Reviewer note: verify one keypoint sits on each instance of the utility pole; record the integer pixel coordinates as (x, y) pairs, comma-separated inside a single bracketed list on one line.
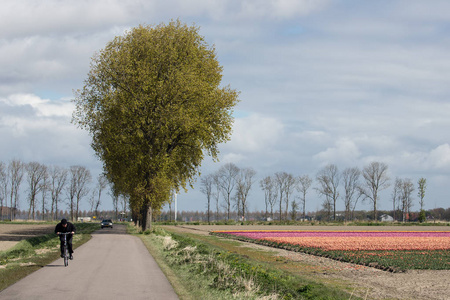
[(175, 197)]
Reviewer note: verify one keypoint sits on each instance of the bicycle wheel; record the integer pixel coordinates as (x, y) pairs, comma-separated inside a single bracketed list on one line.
[(66, 257)]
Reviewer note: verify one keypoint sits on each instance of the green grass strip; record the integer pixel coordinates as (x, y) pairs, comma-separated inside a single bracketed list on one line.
[(223, 271)]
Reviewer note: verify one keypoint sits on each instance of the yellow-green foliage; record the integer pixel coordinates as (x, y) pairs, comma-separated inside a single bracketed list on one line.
[(153, 104)]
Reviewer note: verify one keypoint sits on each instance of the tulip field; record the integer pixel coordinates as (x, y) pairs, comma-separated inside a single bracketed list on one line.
[(390, 250)]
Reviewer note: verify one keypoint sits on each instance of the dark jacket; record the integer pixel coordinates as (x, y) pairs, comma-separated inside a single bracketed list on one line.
[(69, 228)]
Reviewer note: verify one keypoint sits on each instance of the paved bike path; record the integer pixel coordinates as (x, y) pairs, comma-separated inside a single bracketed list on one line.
[(112, 265)]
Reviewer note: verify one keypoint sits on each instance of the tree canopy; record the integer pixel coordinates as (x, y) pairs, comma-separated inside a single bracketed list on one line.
[(154, 107)]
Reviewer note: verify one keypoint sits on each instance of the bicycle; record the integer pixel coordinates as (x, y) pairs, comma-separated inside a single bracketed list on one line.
[(65, 251)]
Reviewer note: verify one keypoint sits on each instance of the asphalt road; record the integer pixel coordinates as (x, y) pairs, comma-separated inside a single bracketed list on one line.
[(112, 265)]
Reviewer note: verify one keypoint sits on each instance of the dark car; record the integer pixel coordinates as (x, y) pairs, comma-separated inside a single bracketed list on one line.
[(107, 223)]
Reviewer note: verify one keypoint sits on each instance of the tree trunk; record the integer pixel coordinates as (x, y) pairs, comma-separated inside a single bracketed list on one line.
[(281, 203), (334, 208), (287, 208), (147, 218), (375, 211)]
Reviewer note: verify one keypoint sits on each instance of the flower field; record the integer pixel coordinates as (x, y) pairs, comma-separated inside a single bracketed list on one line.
[(399, 250)]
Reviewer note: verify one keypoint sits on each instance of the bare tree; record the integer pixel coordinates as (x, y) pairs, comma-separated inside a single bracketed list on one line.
[(327, 205), (72, 190), (328, 179), (92, 199), (15, 172), (396, 196), (294, 208), (217, 193), (83, 177), (206, 188), (406, 191), (123, 201), (280, 179), (58, 180), (115, 196), (102, 182), (244, 183), (304, 183), (350, 177), (270, 193), (35, 176), (422, 183), (44, 189), (227, 181), (289, 186), (80, 177), (375, 180), (3, 187), (119, 200)]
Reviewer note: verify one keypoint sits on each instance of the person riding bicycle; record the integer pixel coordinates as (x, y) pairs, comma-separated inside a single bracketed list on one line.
[(64, 227)]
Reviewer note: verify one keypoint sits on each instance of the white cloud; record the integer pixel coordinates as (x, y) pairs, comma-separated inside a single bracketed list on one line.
[(439, 157), (35, 129), (62, 16), (43, 107), (255, 133), (235, 158), (279, 8), (345, 152), (423, 11), (431, 162)]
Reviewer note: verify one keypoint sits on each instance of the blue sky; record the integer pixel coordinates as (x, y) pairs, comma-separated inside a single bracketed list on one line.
[(342, 82)]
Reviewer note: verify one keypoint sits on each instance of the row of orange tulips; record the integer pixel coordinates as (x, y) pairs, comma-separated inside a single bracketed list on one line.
[(355, 240)]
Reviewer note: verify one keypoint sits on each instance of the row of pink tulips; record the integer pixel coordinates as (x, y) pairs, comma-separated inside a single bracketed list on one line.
[(265, 234)]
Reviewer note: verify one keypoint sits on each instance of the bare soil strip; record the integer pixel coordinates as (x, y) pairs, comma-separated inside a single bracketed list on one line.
[(11, 234)]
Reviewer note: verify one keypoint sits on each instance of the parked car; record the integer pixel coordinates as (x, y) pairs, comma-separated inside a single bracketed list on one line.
[(107, 223)]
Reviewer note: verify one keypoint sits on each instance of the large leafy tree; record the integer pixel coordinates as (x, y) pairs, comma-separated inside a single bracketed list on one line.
[(153, 105)]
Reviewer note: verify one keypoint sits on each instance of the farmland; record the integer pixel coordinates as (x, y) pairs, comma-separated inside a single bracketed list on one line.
[(404, 283), (388, 250), (11, 234)]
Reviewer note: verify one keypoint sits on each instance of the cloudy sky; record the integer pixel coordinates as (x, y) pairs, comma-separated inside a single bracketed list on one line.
[(323, 81)]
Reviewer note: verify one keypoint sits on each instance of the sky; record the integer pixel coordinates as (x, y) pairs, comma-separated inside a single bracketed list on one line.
[(321, 82)]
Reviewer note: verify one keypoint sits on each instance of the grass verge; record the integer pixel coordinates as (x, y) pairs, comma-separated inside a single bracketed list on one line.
[(203, 267), (34, 253)]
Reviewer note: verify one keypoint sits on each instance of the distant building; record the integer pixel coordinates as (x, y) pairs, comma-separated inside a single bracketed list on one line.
[(386, 218), (5, 213)]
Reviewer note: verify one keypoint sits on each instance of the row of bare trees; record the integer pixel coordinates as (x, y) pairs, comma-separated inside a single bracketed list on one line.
[(433, 215), (48, 187), (402, 197), (374, 180), (350, 185), (234, 184)]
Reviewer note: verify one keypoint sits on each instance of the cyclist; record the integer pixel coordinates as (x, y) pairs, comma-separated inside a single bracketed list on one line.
[(64, 227)]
